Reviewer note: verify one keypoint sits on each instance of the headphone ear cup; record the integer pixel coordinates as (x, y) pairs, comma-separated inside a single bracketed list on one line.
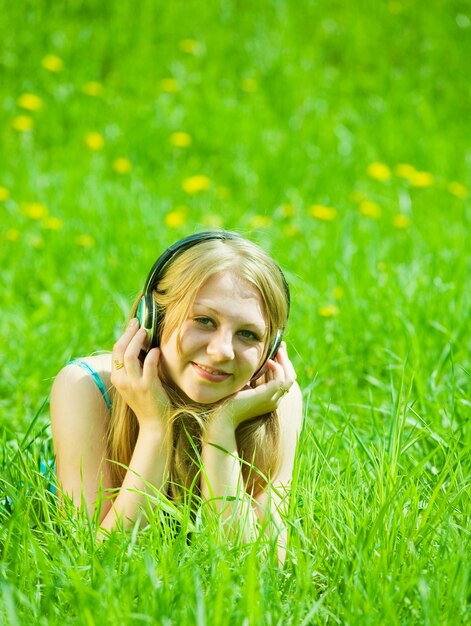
[(275, 346), (272, 350), (147, 316)]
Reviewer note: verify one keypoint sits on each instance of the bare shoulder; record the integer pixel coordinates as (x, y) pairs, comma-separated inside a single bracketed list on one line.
[(75, 392)]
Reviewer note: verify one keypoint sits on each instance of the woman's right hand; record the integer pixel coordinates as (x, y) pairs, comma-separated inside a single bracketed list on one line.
[(139, 383)]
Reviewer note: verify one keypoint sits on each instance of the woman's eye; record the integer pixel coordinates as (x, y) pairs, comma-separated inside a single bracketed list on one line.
[(248, 334), (206, 322)]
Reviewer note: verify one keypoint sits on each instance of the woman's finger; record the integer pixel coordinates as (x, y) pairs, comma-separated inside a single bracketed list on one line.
[(132, 363), (121, 345)]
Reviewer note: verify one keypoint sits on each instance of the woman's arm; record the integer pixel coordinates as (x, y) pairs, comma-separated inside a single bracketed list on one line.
[(79, 423), (222, 481)]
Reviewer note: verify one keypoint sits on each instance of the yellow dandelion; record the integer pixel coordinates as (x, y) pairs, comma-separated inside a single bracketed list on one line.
[(329, 310), (194, 184), (379, 171), (22, 123), (422, 179), (370, 209), (176, 218), (401, 221), (321, 212), (405, 170), (52, 63), (180, 139), (86, 241), (382, 267), (190, 46), (249, 85), (122, 165), (30, 102), (35, 210), (458, 190), (287, 210), (12, 234), (261, 221), (213, 220), (92, 88), (94, 141), (338, 293), (170, 85), (4, 194), (290, 230), (53, 223)]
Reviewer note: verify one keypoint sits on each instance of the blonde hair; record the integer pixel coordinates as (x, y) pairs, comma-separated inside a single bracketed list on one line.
[(257, 439)]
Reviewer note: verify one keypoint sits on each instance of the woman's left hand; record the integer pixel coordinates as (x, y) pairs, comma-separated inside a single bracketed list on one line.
[(264, 397)]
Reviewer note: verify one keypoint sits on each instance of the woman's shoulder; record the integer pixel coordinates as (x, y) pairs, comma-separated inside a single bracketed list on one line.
[(84, 377)]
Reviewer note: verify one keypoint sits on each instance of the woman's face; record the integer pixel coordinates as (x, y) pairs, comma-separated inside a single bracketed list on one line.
[(221, 341)]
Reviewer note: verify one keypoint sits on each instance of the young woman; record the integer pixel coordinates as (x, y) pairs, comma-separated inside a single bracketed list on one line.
[(198, 395)]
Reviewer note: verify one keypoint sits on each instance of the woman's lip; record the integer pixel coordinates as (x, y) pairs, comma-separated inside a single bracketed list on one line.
[(214, 378)]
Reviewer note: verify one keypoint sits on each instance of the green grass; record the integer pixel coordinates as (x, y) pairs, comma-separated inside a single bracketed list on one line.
[(287, 104)]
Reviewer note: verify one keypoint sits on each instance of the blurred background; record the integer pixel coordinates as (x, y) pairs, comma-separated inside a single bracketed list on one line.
[(334, 134)]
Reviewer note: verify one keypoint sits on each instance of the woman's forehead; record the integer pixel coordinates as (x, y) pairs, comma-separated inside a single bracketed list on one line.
[(228, 291)]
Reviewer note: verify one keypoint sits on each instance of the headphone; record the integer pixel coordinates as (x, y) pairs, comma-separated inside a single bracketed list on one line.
[(148, 313)]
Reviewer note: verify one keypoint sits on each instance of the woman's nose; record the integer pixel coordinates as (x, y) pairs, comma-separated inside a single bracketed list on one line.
[(220, 346)]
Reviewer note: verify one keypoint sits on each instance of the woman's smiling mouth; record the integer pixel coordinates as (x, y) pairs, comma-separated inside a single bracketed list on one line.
[(209, 373)]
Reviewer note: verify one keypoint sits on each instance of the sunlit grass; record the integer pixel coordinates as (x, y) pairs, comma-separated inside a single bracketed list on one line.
[(339, 144)]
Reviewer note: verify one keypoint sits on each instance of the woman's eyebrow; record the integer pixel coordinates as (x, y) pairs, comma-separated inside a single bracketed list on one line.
[(246, 323)]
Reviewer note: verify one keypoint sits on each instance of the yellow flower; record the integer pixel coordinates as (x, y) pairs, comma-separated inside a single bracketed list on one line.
[(290, 230), (401, 221), (382, 267), (122, 165), (458, 190), (4, 193), (52, 63), (370, 209), (194, 184), (395, 7), (35, 210), (92, 88), (53, 223), (379, 171), (249, 85), (190, 46), (170, 85), (12, 234), (180, 139), (321, 212), (422, 179), (94, 141), (22, 123), (176, 218), (338, 293), (405, 170), (261, 221), (86, 241), (213, 220), (329, 310), (30, 102), (287, 210)]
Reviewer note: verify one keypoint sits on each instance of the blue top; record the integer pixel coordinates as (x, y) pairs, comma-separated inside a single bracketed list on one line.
[(96, 379)]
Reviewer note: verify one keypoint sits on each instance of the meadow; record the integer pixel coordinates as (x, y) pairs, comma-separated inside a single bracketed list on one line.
[(334, 134)]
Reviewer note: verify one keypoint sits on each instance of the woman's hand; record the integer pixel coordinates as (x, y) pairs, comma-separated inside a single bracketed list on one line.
[(139, 384), (261, 399)]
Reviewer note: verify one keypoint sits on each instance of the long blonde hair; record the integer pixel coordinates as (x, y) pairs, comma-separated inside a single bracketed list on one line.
[(257, 439)]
